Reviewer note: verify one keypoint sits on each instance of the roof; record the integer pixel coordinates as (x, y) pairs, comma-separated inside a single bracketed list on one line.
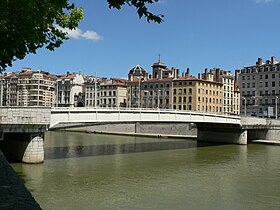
[(195, 79)]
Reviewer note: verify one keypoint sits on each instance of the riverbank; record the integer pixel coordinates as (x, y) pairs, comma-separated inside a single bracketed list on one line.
[(261, 141), (143, 134), (13, 193)]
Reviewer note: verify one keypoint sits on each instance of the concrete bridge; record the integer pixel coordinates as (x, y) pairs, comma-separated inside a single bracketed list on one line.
[(22, 128), (208, 127), (22, 131)]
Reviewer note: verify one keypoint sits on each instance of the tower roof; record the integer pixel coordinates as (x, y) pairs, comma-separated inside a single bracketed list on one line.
[(137, 70)]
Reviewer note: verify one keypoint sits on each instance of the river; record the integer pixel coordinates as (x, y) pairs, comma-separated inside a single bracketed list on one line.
[(93, 171)]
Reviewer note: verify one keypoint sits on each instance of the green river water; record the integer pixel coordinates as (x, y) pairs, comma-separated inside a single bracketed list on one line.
[(91, 171)]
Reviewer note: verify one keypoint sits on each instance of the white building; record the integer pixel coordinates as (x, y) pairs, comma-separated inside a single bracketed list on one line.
[(69, 86)]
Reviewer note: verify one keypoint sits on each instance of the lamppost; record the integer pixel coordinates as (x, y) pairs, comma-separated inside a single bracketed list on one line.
[(245, 106), (139, 93), (276, 101), (1, 93), (95, 90)]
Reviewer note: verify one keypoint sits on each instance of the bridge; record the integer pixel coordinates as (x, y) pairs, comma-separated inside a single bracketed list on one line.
[(22, 131), (209, 126), (22, 128)]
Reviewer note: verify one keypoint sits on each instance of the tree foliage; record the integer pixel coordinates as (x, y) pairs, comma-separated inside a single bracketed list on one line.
[(27, 25)]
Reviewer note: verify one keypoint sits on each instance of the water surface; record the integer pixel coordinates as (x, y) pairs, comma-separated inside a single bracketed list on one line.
[(90, 171)]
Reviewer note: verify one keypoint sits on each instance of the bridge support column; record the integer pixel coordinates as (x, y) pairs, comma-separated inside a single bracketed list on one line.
[(23, 147), (221, 134)]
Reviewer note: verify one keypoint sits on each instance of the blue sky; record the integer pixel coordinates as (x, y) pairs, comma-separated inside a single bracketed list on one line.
[(197, 34)]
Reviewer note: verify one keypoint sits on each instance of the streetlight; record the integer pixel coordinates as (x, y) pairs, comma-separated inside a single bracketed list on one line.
[(276, 101), (95, 91), (139, 93), (1, 94), (245, 106)]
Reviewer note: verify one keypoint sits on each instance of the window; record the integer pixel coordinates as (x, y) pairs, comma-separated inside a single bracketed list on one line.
[(266, 76)]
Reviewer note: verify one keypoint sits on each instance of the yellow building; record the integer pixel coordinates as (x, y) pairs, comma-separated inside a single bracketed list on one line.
[(194, 94)]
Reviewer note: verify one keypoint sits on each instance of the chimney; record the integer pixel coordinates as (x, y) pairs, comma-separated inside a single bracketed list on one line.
[(188, 73), (236, 76), (217, 75), (198, 76), (205, 73), (259, 61), (273, 59), (177, 73)]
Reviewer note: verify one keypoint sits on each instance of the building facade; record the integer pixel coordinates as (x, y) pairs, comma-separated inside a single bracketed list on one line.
[(35, 88), (193, 94), (259, 87), (68, 87), (231, 94), (92, 91), (113, 93)]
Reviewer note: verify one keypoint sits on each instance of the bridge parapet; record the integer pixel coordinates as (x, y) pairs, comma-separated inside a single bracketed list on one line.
[(259, 123)]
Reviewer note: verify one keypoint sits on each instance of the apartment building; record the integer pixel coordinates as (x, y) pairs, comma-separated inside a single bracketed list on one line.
[(35, 88), (154, 91), (113, 93), (231, 94), (259, 86), (92, 91), (68, 88), (8, 87), (195, 94)]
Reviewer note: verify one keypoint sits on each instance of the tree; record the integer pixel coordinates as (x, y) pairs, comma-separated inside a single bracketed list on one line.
[(27, 25)]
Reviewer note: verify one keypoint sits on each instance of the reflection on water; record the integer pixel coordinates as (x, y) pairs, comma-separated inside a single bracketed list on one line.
[(84, 151), (213, 177)]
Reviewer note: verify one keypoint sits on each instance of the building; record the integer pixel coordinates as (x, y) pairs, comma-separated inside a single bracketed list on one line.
[(34, 88), (92, 91), (137, 72), (68, 88), (156, 93), (9, 89), (259, 87), (231, 94), (195, 94), (153, 91), (113, 93)]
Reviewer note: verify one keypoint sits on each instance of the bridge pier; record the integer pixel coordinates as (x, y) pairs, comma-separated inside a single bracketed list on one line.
[(221, 133), (23, 147)]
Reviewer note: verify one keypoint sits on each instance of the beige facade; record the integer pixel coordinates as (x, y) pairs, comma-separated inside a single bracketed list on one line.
[(113, 93), (259, 86), (35, 88), (194, 94), (231, 94)]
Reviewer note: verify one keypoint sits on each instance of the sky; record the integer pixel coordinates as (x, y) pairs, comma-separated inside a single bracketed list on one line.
[(195, 34)]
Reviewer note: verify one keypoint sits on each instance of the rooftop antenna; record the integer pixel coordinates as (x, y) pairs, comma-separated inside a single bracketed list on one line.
[(159, 57)]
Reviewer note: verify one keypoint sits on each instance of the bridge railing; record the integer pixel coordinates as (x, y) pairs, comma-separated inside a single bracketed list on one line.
[(85, 114)]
